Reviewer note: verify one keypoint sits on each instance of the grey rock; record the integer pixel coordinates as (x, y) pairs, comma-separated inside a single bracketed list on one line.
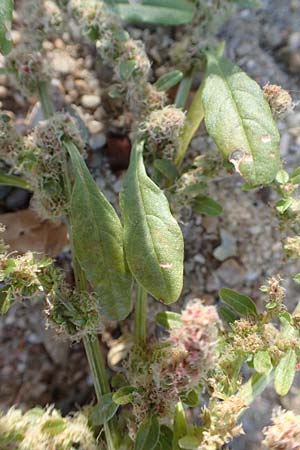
[(17, 198), (227, 248)]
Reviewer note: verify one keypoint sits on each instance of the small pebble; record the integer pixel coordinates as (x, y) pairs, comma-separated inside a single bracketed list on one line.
[(97, 141), (90, 101)]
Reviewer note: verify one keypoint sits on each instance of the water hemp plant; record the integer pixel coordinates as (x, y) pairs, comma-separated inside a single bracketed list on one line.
[(124, 259)]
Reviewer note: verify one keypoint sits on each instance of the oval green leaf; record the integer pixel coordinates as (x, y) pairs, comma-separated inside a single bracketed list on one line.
[(180, 425), (227, 314), (148, 434), (168, 319), (152, 237), (6, 15), (189, 443), (239, 120), (124, 395), (167, 81), (104, 411), (285, 373), (157, 12), (262, 362), (97, 240), (54, 426), (165, 438), (240, 303), (207, 206)]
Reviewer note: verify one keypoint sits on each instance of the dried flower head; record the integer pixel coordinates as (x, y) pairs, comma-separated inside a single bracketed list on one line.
[(39, 429), (278, 98), (163, 128), (284, 433), (46, 172), (292, 247)]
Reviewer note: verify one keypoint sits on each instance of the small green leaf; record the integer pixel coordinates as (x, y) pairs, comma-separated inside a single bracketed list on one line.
[(157, 12), (148, 434), (191, 398), (104, 411), (296, 278), (124, 395), (240, 303), (5, 300), (283, 205), (262, 362), (54, 426), (285, 373), (239, 119), (227, 314), (153, 239), (168, 319), (295, 176), (98, 242), (127, 68), (207, 206), (180, 425), (165, 167), (282, 177), (6, 15), (167, 81), (250, 390), (189, 443)]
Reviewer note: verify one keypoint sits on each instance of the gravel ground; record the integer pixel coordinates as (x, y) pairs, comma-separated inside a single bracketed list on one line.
[(240, 249)]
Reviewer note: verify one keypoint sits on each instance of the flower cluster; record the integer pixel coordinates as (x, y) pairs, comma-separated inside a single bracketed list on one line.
[(39, 429), (284, 433), (163, 128), (278, 98), (46, 171), (170, 370)]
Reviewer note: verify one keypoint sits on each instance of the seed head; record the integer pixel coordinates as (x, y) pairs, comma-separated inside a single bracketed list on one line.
[(284, 433)]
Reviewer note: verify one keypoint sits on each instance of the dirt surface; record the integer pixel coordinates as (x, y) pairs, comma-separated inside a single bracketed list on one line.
[(239, 249)]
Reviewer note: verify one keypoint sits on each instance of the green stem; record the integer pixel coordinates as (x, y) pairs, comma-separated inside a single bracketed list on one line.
[(46, 104), (193, 120), (140, 316), (12, 180)]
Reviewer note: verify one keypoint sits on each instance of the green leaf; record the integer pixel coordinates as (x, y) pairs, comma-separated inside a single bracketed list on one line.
[(239, 120), (285, 373), (254, 387), (295, 176), (168, 319), (167, 81), (262, 362), (124, 395), (6, 15), (282, 177), (165, 167), (127, 68), (207, 206), (296, 278), (5, 300), (103, 411), (191, 398), (180, 425), (54, 426), (227, 314), (157, 12), (283, 205), (240, 303), (97, 240), (147, 435), (189, 443), (165, 438), (152, 237)]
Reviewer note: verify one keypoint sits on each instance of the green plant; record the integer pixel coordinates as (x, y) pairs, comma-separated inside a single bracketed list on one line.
[(203, 350)]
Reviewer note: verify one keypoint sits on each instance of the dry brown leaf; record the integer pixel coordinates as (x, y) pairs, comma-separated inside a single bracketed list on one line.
[(26, 231)]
